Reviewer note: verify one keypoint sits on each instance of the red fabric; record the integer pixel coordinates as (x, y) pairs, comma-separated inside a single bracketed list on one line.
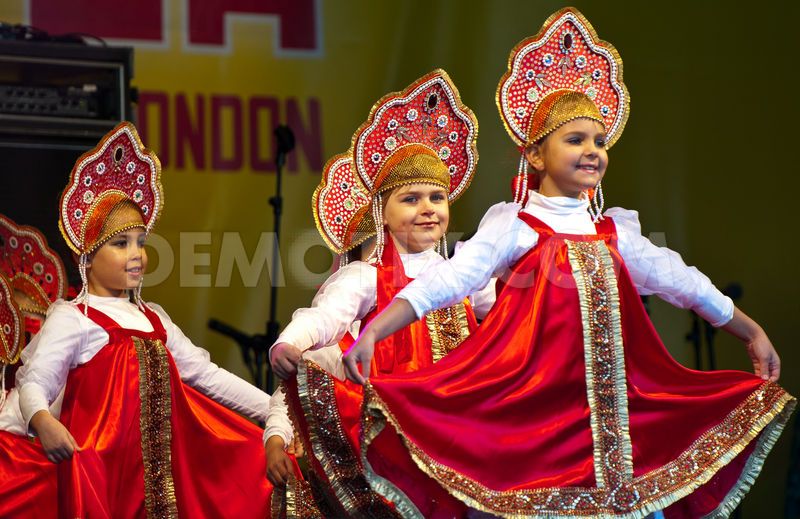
[(217, 459), (524, 403), (28, 489)]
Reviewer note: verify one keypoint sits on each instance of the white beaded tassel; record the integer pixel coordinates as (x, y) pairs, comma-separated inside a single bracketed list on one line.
[(597, 203), (2, 386), (377, 217), (343, 260), (137, 295), (443, 246), (83, 295), (521, 187)]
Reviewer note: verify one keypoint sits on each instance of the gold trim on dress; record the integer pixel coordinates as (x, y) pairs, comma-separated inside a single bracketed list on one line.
[(604, 359), (329, 445), (447, 328), (155, 422)]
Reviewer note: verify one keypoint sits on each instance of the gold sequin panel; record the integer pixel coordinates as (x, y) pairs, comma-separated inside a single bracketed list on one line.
[(156, 409), (447, 328)]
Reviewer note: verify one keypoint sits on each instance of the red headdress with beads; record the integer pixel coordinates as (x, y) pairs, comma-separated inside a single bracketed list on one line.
[(119, 173), (562, 73), (422, 134), (118, 168), (12, 337), (34, 270)]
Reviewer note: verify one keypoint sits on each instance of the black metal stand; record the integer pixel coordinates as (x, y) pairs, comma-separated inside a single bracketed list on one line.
[(255, 347)]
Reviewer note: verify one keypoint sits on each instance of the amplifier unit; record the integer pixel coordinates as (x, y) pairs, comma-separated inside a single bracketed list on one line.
[(61, 93)]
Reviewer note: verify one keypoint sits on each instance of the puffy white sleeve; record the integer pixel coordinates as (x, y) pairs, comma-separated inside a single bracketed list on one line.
[(49, 357), (347, 296), (196, 369), (661, 271), (278, 422), (494, 247)]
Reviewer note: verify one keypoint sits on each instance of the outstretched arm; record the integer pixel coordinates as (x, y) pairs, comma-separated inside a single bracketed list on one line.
[(396, 316), (766, 362)]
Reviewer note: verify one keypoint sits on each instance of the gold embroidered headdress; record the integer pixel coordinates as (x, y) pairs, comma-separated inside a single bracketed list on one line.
[(423, 134), (563, 73), (113, 188)]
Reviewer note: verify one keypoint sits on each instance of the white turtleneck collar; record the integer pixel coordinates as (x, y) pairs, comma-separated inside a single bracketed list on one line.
[(561, 213), (557, 204)]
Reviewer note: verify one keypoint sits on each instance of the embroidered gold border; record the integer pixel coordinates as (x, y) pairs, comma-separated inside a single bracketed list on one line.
[(155, 424), (768, 407), (447, 331), (329, 445), (604, 357)]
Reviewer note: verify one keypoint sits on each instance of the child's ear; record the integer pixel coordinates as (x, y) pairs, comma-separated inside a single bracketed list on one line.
[(533, 154)]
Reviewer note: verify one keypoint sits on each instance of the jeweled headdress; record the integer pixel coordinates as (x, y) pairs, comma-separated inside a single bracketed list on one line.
[(34, 270), (422, 134), (113, 188), (11, 332), (563, 73)]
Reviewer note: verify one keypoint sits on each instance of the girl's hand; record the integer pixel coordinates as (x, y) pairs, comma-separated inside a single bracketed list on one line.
[(279, 466), (284, 359), (296, 447), (766, 362), (361, 351), (58, 443)]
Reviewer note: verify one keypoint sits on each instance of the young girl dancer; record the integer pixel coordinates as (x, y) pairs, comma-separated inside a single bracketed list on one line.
[(141, 418), (574, 408), (414, 156)]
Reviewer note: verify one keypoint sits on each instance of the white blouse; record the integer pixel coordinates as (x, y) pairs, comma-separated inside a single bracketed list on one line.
[(502, 238), (68, 339)]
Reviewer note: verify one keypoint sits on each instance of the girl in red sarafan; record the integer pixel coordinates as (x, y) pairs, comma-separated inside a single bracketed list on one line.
[(145, 426), (385, 203), (565, 402)]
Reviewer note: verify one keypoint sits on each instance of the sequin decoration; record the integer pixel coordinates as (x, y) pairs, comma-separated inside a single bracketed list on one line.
[(330, 446), (35, 270), (428, 116), (562, 52), (156, 428), (447, 328), (114, 160), (295, 501)]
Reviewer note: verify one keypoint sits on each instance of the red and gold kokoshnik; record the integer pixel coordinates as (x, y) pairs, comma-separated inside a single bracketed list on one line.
[(565, 56), (32, 268), (425, 129), (118, 169)]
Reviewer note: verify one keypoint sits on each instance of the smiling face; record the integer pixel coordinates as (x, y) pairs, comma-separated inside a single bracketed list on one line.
[(118, 265), (416, 216), (570, 160)]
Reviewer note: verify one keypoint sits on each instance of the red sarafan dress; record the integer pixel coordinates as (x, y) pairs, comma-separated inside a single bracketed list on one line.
[(565, 403), (151, 446), (328, 410)]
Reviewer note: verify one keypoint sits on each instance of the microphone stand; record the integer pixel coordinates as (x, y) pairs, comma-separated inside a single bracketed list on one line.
[(254, 348)]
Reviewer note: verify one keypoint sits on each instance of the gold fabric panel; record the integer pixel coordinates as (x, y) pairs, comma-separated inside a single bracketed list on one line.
[(156, 428), (447, 327)]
